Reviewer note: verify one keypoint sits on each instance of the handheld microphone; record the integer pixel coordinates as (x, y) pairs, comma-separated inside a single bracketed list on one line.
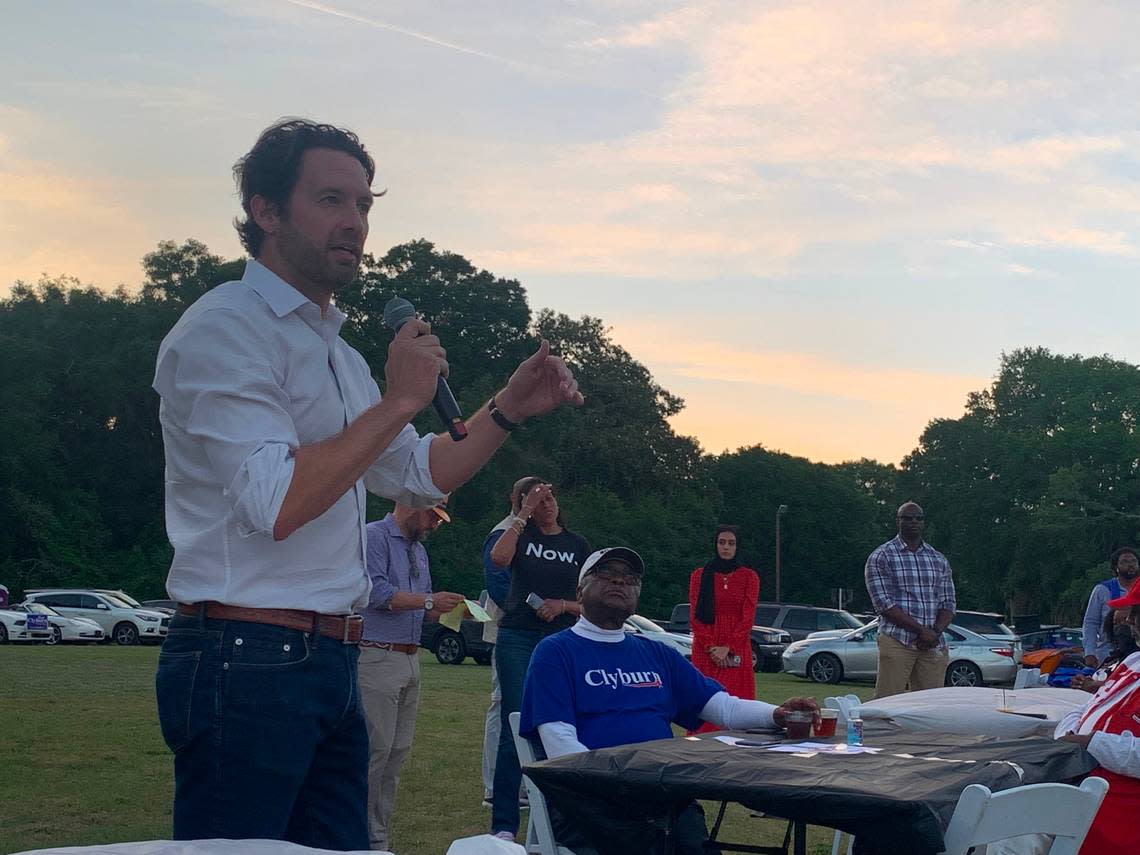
[(398, 312)]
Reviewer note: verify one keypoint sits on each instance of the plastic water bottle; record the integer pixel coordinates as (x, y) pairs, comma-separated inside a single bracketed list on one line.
[(854, 727)]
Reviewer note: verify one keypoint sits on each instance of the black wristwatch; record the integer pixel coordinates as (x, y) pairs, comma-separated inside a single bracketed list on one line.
[(499, 418)]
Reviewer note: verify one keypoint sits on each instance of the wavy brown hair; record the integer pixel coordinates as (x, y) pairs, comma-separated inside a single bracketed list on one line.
[(271, 168)]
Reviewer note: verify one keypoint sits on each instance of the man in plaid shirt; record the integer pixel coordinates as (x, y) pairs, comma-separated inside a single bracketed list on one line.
[(912, 590)]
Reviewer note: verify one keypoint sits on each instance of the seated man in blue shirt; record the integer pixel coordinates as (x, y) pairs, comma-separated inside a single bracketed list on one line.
[(593, 686)]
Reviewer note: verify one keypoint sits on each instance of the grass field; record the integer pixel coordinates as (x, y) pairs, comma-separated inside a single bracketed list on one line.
[(83, 760)]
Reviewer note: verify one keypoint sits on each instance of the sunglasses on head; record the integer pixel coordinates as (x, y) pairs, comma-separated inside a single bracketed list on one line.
[(912, 517)]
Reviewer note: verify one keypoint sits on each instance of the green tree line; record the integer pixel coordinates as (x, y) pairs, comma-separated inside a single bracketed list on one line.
[(1027, 493)]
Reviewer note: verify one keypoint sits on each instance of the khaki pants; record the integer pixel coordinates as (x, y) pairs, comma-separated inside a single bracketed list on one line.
[(390, 692), (901, 667)]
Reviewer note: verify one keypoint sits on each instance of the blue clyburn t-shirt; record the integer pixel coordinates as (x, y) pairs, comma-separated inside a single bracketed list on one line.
[(614, 693)]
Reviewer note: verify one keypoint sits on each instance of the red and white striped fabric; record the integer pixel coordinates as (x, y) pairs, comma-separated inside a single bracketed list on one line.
[(1113, 716)]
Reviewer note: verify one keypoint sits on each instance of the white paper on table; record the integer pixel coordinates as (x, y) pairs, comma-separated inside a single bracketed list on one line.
[(746, 743), (822, 748)]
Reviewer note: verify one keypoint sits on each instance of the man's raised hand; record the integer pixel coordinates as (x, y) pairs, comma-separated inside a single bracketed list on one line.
[(541, 383)]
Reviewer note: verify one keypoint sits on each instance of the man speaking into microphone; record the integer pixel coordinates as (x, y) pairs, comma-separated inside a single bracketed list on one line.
[(274, 429)]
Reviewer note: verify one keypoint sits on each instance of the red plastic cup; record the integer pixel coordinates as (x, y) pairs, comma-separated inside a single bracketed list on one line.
[(827, 721)]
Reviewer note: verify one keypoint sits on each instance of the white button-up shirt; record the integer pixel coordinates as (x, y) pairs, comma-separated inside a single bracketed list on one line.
[(251, 372)]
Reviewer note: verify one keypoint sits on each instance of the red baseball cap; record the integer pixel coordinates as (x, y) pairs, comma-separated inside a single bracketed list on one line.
[(1132, 598)]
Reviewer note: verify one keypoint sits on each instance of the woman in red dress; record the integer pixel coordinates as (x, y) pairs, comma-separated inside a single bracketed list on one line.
[(722, 607)]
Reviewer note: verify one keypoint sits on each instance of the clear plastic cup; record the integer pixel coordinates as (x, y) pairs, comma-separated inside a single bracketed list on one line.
[(798, 724)]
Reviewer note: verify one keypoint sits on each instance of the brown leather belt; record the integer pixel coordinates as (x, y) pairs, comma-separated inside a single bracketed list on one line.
[(410, 649), (344, 628)]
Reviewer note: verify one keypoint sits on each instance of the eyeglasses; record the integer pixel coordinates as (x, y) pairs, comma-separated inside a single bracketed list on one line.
[(620, 576), (912, 517)]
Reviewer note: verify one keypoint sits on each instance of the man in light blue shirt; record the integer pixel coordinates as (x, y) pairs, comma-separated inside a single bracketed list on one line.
[(1125, 568), (389, 668)]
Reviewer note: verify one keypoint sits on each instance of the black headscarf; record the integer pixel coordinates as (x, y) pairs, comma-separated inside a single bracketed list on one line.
[(705, 610)]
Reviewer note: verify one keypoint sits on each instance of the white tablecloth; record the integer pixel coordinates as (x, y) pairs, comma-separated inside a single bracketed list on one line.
[(974, 710), (194, 847), (483, 844)]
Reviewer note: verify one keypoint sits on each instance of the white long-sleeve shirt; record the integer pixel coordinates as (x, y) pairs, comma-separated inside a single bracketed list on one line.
[(251, 372), (1117, 752), (560, 737)]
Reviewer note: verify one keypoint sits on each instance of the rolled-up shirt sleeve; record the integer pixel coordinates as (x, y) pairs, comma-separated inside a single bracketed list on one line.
[(402, 472), (1116, 752), (880, 582), (216, 380)]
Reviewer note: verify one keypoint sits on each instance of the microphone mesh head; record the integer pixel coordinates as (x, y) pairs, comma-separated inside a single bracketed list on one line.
[(398, 312)]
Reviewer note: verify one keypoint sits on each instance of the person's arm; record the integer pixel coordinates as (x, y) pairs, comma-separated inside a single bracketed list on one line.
[(503, 552), (496, 579), (376, 565), (742, 635), (947, 601), (880, 583), (559, 739), (324, 471), (441, 602), (553, 607), (541, 383), (884, 598), (1069, 723), (926, 635), (702, 632), (1093, 624), (218, 386), (549, 698), (733, 713), (1116, 752)]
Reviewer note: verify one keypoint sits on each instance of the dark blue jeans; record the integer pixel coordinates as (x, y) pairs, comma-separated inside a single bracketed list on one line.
[(513, 648), (267, 731)]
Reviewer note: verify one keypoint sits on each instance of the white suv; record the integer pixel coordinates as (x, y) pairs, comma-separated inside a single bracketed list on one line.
[(120, 620)]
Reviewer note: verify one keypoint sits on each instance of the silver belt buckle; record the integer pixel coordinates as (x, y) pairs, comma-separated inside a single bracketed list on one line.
[(350, 620)]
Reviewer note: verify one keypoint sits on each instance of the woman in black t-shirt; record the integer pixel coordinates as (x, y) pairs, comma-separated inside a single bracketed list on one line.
[(544, 559)]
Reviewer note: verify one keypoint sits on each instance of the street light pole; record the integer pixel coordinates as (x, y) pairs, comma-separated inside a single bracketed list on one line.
[(780, 511)]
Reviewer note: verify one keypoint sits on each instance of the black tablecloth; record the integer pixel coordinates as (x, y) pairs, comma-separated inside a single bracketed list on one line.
[(896, 804)]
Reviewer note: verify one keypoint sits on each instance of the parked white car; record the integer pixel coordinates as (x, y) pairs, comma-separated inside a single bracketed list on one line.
[(643, 626), (64, 628), (121, 621), (14, 627), (974, 659)]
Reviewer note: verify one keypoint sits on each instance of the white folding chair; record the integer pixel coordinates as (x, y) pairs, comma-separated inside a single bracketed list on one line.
[(539, 833), (1057, 809), (1027, 678), (837, 843)]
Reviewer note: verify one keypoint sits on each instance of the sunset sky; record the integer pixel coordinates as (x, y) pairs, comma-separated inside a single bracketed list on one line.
[(821, 223)]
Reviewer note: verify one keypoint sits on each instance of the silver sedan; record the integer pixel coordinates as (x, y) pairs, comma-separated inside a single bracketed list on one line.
[(974, 659), (643, 626)]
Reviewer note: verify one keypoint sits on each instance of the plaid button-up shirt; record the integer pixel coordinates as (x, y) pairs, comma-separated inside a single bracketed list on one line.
[(920, 583)]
